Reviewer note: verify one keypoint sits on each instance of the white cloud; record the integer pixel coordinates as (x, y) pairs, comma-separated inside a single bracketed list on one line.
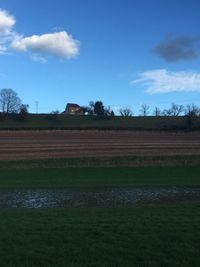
[(3, 49), (7, 35), (59, 44), (7, 22), (163, 81)]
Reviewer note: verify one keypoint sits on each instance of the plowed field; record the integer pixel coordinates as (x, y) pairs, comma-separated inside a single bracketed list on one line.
[(16, 145)]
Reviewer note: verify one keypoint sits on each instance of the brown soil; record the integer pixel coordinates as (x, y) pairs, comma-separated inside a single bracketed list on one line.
[(16, 145)]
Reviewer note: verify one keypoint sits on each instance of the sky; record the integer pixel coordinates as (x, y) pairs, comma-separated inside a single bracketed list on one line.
[(123, 52)]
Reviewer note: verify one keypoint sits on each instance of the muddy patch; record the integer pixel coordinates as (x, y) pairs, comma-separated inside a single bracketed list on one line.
[(106, 198)]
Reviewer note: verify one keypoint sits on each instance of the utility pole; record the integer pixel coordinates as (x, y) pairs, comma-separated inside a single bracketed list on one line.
[(36, 105)]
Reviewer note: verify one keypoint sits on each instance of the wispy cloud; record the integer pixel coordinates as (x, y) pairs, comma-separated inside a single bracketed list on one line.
[(163, 81), (57, 44), (178, 48), (38, 58)]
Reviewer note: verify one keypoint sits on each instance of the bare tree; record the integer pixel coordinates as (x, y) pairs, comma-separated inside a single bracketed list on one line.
[(157, 112), (126, 112), (108, 111), (91, 104), (192, 111), (167, 112), (9, 101), (89, 109), (176, 110), (144, 109)]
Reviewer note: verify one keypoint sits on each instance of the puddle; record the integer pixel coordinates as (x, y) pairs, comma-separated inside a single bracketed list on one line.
[(106, 198)]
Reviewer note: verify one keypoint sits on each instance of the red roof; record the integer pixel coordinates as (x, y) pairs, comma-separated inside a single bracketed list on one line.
[(71, 105)]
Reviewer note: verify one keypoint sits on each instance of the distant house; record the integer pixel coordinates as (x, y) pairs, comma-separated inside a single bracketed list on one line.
[(73, 109)]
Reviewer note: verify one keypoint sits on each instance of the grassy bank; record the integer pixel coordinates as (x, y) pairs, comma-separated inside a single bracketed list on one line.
[(63, 121), (152, 235), (82, 178)]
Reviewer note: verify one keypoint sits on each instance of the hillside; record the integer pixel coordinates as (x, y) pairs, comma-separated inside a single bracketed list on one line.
[(62, 121)]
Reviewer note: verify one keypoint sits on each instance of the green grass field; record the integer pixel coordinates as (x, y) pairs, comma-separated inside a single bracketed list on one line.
[(165, 233), (151, 235), (63, 121), (82, 178)]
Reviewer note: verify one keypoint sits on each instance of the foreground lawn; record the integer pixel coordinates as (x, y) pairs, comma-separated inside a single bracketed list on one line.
[(99, 177), (151, 235), (161, 234)]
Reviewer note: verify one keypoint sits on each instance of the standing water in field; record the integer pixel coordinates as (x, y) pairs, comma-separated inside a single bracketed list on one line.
[(107, 198)]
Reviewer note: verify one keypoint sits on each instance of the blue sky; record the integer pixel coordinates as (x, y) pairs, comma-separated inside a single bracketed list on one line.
[(122, 52)]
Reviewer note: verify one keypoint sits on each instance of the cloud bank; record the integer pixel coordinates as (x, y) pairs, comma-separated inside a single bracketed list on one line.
[(163, 81), (178, 48), (58, 44)]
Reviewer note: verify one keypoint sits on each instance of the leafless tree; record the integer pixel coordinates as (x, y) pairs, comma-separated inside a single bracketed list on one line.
[(9, 101), (167, 112), (89, 109), (144, 109), (174, 110), (157, 112), (108, 111), (126, 112), (192, 111)]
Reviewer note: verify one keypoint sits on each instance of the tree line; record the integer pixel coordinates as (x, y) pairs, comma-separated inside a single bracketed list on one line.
[(11, 103), (97, 108)]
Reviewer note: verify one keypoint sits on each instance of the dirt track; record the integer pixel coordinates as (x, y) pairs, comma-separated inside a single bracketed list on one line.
[(57, 144)]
